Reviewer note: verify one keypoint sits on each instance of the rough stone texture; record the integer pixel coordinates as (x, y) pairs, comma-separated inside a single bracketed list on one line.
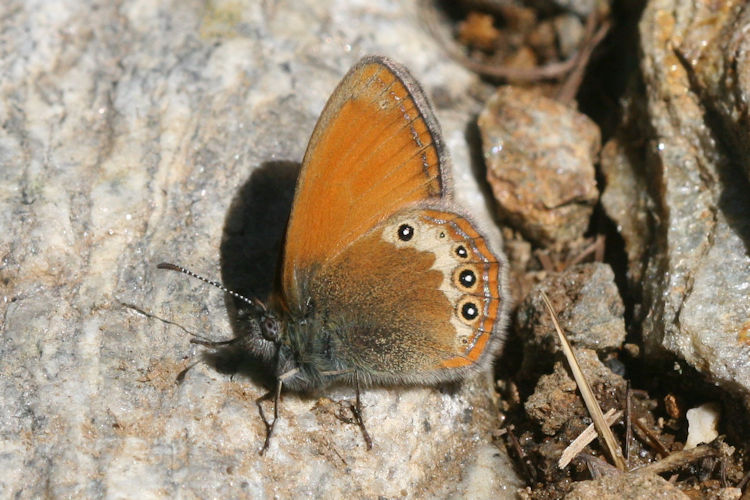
[(626, 487), (696, 268), (715, 50), (130, 131), (588, 306), (626, 200), (556, 401), (539, 156)]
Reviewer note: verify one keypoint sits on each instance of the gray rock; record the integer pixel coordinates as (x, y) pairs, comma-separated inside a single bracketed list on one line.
[(715, 52), (539, 156), (696, 267), (130, 130)]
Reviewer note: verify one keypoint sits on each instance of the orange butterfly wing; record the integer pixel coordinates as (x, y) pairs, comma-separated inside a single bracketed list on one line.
[(377, 120)]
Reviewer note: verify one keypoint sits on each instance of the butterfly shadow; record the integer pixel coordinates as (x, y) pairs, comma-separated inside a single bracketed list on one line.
[(251, 245)]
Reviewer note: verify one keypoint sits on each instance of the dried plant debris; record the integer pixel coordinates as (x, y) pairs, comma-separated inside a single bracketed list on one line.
[(548, 428), (550, 433), (525, 41)]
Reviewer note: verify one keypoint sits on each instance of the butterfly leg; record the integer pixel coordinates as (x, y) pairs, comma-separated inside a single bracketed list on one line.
[(181, 376), (210, 343), (356, 417), (357, 412), (276, 394)]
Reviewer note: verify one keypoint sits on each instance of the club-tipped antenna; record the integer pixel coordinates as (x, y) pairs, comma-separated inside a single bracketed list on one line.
[(174, 267)]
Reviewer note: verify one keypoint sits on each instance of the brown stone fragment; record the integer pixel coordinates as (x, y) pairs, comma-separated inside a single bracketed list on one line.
[(540, 163), (588, 306), (556, 404)]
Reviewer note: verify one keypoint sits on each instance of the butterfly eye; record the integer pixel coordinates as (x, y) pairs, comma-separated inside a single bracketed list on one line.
[(405, 232), (270, 328)]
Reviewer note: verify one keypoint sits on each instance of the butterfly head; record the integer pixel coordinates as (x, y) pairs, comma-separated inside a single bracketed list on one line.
[(270, 326)]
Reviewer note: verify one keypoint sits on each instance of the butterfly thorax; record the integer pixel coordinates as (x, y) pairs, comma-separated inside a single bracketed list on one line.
[(308, 358)]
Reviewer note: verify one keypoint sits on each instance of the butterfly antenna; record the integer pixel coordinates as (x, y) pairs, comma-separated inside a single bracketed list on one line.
[(174, 267)]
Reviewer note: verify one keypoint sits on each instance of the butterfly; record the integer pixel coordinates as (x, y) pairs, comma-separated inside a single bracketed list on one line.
[(383, 279)]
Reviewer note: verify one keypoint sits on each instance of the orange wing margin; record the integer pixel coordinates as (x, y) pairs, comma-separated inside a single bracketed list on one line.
[(375, 149)]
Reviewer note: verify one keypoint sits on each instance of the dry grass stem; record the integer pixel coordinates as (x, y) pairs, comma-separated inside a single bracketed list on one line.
[(605, 433), (584, 438)]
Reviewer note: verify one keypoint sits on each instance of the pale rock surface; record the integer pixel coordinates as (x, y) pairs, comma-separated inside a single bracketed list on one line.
[(130, 129)]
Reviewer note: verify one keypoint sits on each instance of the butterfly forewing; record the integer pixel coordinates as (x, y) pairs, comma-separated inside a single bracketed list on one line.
[(376, 149)]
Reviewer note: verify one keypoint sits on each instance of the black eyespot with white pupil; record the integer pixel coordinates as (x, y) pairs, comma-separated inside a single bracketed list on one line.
[(405, 232), (469, 311), (461, 252), (467, 278)]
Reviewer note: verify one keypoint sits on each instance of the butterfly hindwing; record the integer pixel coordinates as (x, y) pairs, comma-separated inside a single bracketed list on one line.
[(415, 299)]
